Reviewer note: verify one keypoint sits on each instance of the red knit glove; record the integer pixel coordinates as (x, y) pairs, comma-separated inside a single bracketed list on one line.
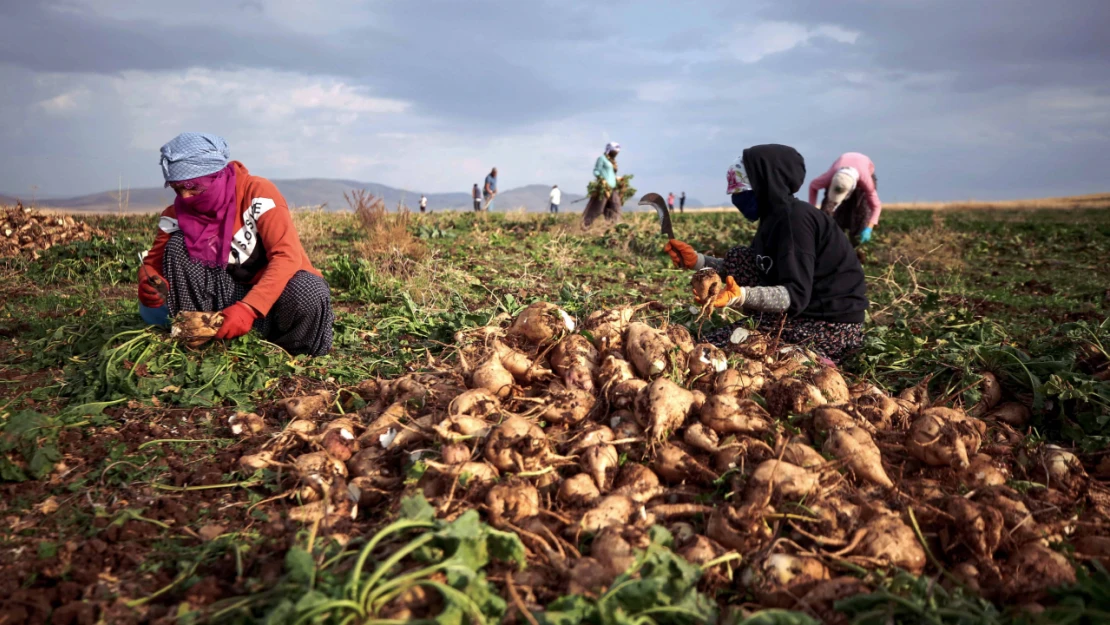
[(238, 319), (152, 287)]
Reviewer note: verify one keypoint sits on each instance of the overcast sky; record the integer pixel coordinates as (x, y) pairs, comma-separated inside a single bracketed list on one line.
[(953, 99)]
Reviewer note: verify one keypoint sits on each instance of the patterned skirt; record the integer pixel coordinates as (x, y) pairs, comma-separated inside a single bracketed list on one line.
[(835, 341), (300, 321)]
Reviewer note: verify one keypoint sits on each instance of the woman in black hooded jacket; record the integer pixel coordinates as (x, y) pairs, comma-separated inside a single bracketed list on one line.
[(799, 264)]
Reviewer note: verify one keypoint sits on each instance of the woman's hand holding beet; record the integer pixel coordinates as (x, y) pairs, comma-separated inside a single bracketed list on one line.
[(238, 319), (730, 295)]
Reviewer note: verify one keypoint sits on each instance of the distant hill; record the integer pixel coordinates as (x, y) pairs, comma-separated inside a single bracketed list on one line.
[(145, 199), (307, 192)]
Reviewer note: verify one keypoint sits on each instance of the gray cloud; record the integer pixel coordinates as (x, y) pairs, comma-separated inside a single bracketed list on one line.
[(45, 39), (983, 44), (458, 65), (952, 99)]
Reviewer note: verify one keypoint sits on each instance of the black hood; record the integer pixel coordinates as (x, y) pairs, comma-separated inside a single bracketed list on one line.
[(797, 246), (776, 172)]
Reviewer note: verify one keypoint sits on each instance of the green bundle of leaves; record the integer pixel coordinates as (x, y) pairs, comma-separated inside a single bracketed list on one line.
[(624, 185), (598, 188), (145, 363)]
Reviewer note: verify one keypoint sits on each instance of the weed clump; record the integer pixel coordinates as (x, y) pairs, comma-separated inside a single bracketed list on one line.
[(388, 239)]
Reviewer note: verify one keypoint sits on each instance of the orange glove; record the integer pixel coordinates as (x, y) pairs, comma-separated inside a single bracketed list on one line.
[(731, 295), (238, 319), (153, 288), (682, 255)]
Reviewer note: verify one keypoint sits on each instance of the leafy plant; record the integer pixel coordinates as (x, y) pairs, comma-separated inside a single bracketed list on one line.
[(659, 588), (778, 617), (432, 231), (29, 439), (65, 339), (951, 348), (908, 600), (356, 279), (27, 446), (1087, 602), (105, 261), (415, 553)]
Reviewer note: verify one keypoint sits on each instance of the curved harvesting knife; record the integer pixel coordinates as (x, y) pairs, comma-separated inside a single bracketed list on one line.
[(656, 201)]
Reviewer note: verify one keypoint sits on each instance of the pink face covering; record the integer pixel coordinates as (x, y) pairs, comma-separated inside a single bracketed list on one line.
[(208, 218)]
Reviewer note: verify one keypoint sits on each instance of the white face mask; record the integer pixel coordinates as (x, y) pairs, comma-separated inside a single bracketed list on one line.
[(738, 181)]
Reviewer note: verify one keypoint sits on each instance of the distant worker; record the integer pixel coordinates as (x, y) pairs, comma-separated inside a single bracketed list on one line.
[(670, 201), (556, 197), (490, 190), (682, 202), (851, 195), (423, 203), (228, 244), (605, 197), (477, 195)]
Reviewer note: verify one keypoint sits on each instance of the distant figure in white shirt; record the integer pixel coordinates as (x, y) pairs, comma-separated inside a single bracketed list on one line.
[(556, 197), (423, 203)]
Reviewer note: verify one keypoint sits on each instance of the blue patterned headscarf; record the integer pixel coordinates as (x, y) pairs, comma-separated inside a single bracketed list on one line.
[(192, 155)]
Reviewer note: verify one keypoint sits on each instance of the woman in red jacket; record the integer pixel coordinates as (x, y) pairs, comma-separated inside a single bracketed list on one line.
[(228, 244)]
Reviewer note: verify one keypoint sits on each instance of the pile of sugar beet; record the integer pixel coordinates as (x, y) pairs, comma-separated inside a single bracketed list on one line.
[(559, 430), (25, 231)]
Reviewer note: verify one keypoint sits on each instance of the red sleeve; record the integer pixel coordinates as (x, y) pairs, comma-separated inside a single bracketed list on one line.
[(283, 250), (167, 225)]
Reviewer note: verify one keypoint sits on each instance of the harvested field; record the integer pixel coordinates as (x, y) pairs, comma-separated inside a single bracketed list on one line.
[(519, 424)]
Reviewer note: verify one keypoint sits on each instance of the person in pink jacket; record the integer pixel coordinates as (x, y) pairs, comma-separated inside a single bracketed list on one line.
[(850, 185)]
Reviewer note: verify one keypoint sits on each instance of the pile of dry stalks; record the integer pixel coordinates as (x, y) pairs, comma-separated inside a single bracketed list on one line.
[(557, 430)]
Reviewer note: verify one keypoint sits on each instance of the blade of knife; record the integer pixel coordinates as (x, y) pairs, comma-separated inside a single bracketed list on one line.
[(654, 200)]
